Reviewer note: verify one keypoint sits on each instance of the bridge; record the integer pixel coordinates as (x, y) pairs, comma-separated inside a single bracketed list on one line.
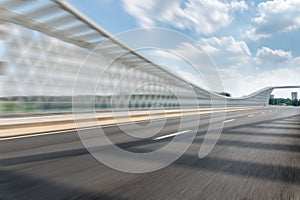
[(56, 31), (51, 58)]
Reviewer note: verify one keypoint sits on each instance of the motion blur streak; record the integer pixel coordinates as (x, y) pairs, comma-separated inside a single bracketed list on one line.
[(248, 160), (43, 45)]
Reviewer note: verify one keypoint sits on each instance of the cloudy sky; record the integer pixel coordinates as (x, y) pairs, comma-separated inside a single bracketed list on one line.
[(254, 44)]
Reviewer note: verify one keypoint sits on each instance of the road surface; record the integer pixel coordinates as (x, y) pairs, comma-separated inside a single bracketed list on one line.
[(256, 157)]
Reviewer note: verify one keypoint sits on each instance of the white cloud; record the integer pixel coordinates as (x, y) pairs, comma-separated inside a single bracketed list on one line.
[(239, 5), (187, 57), (278, 68), (166, 54), (226, 51), (203, 16), (297, 61), (234, 80), (271, 57), (192, 64), (275, 17), (254, 35), (237, 78), (240, 85), (192, 78)]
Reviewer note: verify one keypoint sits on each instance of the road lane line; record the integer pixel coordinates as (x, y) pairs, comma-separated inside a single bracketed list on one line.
[(250, 115), (230, 120), (171, 135)]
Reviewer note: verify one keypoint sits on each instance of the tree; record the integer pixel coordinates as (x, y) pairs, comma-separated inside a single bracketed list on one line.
[(281, 101), (295, 102)]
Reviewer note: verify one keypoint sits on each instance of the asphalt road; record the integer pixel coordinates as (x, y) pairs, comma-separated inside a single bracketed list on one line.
[(256, 157)]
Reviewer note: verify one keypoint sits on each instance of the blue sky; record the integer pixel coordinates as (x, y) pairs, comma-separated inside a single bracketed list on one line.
[(253, 43)]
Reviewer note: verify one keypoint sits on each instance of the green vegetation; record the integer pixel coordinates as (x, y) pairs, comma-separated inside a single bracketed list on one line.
[(14, 106), (282, 101), (9, 106), (20, 104)]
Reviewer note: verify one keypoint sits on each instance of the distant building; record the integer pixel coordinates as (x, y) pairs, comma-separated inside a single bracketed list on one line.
[(272, 96), (294, 95)]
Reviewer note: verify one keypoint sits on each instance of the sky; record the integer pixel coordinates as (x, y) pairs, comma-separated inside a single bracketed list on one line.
[(254, 44)]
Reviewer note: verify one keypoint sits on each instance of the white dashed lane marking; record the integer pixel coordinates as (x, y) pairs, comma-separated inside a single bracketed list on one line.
[(171, 135)]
